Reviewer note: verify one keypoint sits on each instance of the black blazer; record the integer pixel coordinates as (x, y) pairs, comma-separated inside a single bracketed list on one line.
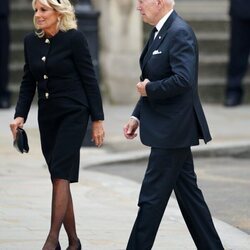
[(171, 116), (60, 67), (240, 9), (4, 8)]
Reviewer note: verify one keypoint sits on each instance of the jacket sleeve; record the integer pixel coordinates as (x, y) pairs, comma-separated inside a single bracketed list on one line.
[(183, 62), (83, 62), (137, 109), (27, 89)]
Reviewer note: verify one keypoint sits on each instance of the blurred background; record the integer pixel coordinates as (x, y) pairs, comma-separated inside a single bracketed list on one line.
[(121, 36)]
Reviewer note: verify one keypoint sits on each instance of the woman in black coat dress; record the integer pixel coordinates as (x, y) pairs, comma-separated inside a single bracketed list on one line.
[(58, 64)]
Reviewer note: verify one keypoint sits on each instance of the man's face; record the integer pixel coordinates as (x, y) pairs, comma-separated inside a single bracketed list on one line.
[(149, 10)]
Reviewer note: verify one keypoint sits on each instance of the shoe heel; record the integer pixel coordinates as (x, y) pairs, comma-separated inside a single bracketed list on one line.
[(58, 247), (79, 245)]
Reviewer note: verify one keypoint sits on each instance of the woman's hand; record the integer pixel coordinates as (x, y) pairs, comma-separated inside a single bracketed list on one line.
[(98, 133), (18, 122)]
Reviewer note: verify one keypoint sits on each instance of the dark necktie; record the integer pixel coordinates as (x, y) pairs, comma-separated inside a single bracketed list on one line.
[(152, 36)]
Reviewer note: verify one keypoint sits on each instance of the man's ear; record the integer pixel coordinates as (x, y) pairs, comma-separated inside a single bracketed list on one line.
[(160, 2)]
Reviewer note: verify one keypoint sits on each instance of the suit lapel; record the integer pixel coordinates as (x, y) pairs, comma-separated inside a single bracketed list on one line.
[(147, 51), (144, 52)]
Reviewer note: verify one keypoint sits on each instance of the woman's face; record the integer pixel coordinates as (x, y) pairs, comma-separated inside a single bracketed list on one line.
[(46, 18)]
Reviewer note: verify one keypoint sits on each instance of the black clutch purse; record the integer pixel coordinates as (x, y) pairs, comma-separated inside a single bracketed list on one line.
[(21, 141)]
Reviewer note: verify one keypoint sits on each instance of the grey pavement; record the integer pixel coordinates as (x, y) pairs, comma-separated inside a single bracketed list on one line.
[(105, 205)]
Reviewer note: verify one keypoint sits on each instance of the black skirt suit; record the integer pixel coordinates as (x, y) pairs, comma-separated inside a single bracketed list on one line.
[(61, 69)]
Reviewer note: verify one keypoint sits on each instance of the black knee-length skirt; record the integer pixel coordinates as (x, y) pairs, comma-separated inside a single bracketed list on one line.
[(62, 124)]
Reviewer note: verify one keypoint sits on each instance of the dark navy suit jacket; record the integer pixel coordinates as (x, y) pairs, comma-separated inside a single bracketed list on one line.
[(240, 9), (171, 116)]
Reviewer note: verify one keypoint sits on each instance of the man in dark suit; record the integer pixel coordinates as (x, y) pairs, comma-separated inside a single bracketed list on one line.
[(239, 51), (4, 54), (171, 120)]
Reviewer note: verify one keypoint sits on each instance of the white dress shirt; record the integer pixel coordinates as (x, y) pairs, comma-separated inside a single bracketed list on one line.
[(160, 24)]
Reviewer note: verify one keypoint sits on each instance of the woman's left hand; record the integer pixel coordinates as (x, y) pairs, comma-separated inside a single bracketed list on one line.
[(98, 133)]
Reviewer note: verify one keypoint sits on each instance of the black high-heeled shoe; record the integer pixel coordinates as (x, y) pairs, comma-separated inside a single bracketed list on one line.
[(79, 247), (58, 247)]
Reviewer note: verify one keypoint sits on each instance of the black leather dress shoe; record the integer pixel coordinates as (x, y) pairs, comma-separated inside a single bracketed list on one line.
[(233, 99)]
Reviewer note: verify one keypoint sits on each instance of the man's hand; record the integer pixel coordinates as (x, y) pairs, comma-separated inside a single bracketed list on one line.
[(130, 128), (98, 133), (141, 87)]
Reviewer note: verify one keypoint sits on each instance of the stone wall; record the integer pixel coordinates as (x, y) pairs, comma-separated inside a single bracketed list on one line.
[(121, 44)]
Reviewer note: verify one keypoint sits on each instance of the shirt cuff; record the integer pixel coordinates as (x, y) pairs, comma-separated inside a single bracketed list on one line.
[(135, 118)]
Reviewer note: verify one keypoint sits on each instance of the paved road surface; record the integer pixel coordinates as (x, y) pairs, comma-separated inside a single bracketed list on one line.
[(224, 181)]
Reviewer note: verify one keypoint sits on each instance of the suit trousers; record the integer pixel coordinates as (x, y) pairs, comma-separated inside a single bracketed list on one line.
[(168, 170), (239, 54)]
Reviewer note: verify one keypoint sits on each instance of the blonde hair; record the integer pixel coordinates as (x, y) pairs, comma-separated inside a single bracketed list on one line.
[(67, 19)]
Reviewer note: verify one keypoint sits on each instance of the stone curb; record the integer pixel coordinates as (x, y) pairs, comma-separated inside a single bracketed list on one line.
[(233, 238), (241, 149)]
